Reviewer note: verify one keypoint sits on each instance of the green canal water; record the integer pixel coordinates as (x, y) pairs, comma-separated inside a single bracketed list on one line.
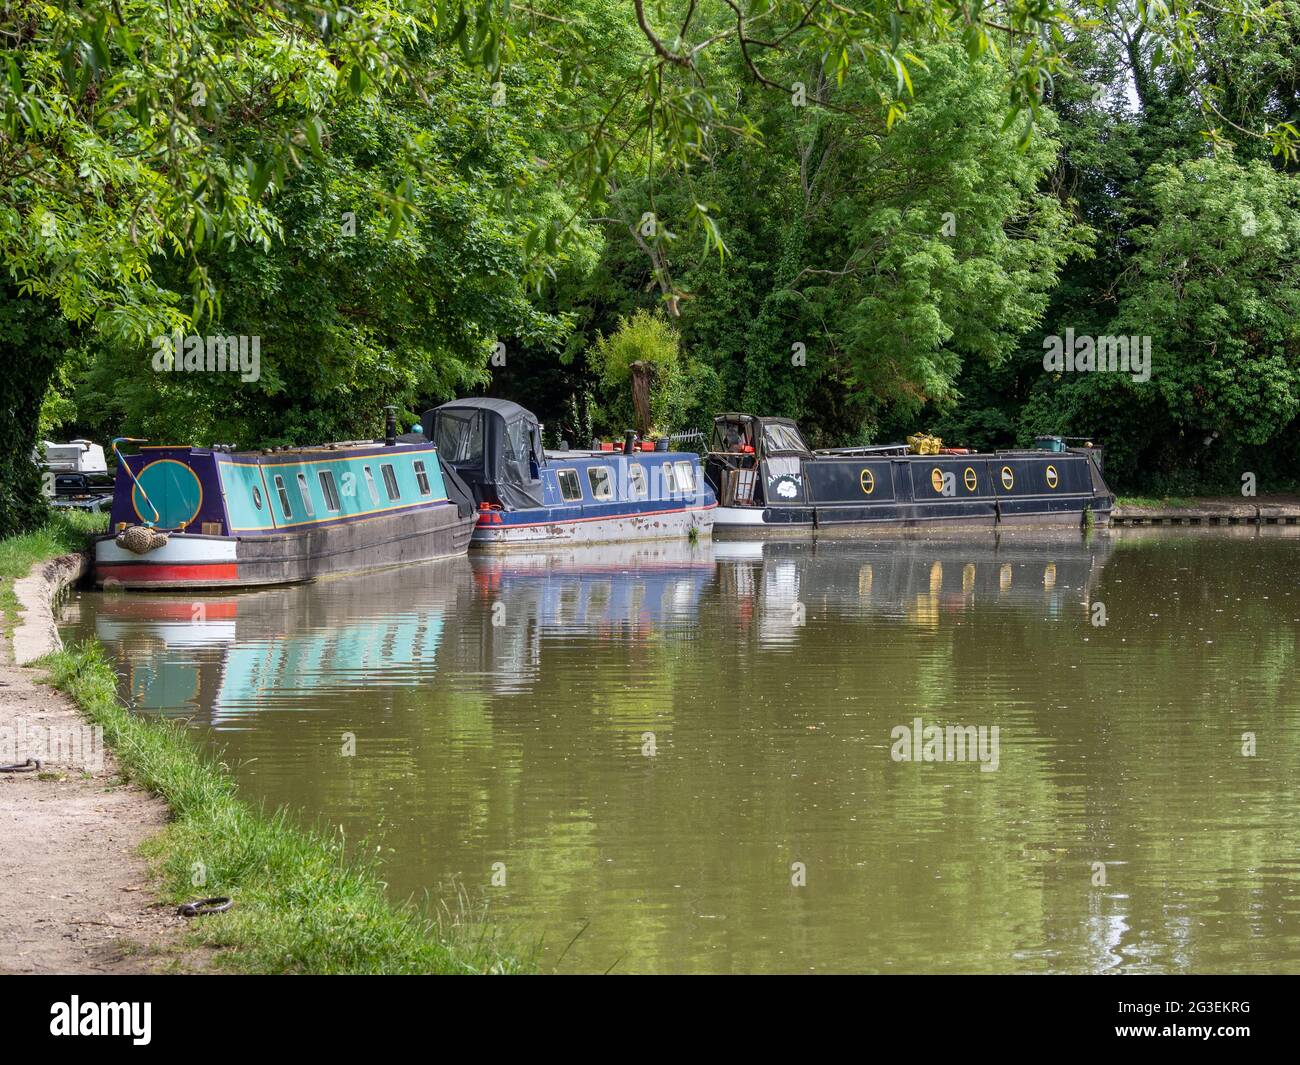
[(690, 758)]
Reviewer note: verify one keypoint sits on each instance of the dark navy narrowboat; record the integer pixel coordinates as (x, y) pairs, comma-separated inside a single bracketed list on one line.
[(768, 481), (527, 495), (187, 517)]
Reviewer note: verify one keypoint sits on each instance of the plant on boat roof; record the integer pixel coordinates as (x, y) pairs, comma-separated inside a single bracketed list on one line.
[(645, 350)]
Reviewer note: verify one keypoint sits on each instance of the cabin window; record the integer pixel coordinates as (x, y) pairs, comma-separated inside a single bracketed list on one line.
[(257, 497), (685, 476), (422, 478), (284, 496), (390, 481), (670, 479), (778, 437), (330, 489), (370, 483), (570, 486), (459, 436), (636, 483), (1008, 478), (305, 492), (602, 486)]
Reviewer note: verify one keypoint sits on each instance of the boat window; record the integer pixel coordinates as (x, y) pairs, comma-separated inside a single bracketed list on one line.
[(459, 436), (570, 486), (422, 478), (284, 496), (782, 438), (390, 481), (305, 492), (670, 480), (370, 483), (636, 483), (602, 485), (730, 436), (685, 476), (257, 497), (331, 491)]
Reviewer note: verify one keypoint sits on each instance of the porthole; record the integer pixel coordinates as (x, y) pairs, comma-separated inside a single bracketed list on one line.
[(1052, 479), (971, 480), (936, 479), (257, 497), (868, 482), (1008, 478)]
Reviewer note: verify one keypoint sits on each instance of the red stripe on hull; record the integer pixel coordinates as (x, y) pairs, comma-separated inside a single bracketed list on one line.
[(134, 573)]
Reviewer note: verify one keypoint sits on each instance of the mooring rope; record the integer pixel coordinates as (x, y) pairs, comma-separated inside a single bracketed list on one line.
[(202, 907)]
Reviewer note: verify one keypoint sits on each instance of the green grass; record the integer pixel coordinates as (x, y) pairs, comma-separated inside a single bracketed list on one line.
[(65, 532), (1152, 502), (302, 904)]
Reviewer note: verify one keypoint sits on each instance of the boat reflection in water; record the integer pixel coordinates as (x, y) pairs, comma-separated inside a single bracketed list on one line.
[(220, 658), (302, 649), (779, 586)]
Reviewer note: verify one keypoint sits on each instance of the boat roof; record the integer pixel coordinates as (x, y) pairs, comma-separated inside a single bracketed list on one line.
[(506, 408)]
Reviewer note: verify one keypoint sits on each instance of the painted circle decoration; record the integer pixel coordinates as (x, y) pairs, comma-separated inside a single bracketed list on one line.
[(936, 479), (970, 479), (1008, 478), (1052, 479), (868, 482), (173, 488)]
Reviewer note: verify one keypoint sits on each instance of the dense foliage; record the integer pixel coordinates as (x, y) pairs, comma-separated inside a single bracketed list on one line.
[(870, 218)]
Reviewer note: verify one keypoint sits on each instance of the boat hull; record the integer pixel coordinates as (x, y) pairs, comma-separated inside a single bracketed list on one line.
[(518, 528), (195, 561)]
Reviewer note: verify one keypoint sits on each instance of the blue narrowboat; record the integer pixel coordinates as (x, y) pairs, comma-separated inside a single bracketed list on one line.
[(527, 495), (188, 517), (769, 482)]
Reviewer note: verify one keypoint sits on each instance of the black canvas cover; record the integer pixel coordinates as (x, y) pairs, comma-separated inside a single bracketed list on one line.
[(495, 447)]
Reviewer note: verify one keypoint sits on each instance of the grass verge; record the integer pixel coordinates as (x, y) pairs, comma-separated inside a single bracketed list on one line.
[(303, 904), (66, 531), (1156, 503)]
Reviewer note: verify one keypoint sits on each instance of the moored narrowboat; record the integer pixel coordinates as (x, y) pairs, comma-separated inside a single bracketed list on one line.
[(527, 495), (188, 517), (769, 482)]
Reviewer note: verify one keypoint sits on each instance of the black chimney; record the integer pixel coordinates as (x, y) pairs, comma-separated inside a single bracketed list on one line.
[(390, 426)]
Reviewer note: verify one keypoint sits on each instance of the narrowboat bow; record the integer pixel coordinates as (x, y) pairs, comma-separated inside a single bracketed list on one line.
[(526, 495), (768, 481), (186, 517)]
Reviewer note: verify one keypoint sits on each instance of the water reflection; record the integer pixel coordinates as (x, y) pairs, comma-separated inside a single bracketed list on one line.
[(649, 737)]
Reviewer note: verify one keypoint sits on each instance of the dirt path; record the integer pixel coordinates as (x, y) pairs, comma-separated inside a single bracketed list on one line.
[(74, 894)]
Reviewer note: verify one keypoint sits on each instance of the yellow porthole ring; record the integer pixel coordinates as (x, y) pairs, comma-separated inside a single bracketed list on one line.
[(936, 479), (868, 482), (969, 477), (1008, 478), (1052, 479)]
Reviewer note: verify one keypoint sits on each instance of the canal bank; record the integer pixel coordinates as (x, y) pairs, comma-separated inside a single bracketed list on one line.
[(1215, 510), (75, 893), (159, 822)]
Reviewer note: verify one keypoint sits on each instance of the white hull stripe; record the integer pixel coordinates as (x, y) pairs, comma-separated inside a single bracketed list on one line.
[(178, 550)]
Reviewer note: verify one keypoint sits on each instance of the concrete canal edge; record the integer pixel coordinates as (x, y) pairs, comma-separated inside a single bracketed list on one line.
[(1281, 511), (93, 849), (75, 897), (36, 634)]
